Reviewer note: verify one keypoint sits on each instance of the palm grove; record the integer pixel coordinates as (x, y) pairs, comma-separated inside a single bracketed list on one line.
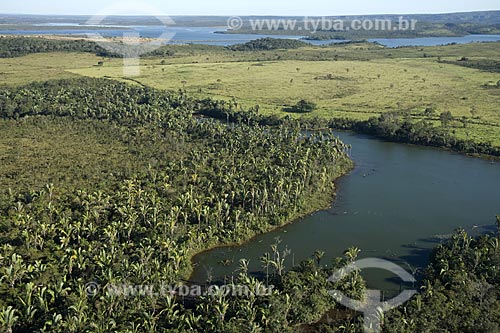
[(193, 174), (208, 183)]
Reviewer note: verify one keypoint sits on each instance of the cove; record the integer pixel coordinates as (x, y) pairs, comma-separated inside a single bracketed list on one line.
[(398, 203)]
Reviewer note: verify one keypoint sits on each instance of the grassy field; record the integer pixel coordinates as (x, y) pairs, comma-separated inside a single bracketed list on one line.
[(356, 81), (42, 67)]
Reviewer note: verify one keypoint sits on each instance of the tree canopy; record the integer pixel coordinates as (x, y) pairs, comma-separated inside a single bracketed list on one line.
[(269, 44)]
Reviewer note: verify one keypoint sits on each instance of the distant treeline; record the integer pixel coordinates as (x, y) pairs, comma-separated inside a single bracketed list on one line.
[(423, 133), (488, 65), (423, 29), (390, 127), (20, 46)]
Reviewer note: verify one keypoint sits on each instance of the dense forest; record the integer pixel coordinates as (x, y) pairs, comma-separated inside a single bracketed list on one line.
[(215, 175), (208, 183), (110, 184), (395, 127), (20, 46), (460, 290)]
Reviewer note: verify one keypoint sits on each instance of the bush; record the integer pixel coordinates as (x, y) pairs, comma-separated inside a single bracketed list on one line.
[(446, 118), (303, 106)]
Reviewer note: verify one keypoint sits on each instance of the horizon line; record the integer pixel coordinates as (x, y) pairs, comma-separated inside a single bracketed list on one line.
[(261, 15)]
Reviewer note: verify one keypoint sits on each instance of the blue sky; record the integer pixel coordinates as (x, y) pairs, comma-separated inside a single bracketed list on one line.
[(254, 7)]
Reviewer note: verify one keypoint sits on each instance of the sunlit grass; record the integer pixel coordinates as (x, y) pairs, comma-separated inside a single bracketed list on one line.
[(354, 89), (366, 81)]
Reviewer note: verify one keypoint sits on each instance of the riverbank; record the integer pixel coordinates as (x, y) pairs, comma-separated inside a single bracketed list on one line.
[(397, 129), (314, 203)]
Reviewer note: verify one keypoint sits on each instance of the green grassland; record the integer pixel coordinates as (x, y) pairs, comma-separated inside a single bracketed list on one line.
[(42, 67), (357, 81)]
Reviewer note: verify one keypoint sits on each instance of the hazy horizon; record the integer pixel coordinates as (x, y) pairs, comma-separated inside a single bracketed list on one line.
[(254, 8), (260, 15)]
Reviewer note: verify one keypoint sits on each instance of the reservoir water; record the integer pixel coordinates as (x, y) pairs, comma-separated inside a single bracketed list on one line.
[(208, 35)]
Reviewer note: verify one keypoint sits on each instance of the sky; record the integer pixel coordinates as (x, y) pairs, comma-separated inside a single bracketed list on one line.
[(246, 7)]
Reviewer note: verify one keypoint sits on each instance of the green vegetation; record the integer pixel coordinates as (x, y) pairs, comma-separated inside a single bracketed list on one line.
[(482, 64), (397, 127), (354, 81), (19, 46), (118, 181), (428, 25), (302, 106), (36, 151), (42, 67), (357, 81), (423, 29), (269, 44), (459, 292), (462, 275), (114, 220)]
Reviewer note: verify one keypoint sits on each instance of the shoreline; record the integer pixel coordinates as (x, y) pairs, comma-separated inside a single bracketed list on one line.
[(322, 203)]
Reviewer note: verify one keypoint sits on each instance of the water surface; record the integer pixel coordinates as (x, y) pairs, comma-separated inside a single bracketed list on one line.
[(208, 35), (182, 35)]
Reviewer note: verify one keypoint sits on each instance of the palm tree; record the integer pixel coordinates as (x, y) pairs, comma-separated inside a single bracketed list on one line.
[(352, 254), (318, 255), (8, 319)]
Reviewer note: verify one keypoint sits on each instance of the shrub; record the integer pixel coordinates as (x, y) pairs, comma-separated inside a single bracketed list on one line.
[(446, 118), (303, 106)]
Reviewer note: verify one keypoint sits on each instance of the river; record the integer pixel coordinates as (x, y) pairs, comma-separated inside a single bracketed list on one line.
[(399, 202)]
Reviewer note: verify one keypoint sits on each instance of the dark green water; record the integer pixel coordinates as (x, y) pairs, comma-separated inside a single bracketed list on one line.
[(397, 204)]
